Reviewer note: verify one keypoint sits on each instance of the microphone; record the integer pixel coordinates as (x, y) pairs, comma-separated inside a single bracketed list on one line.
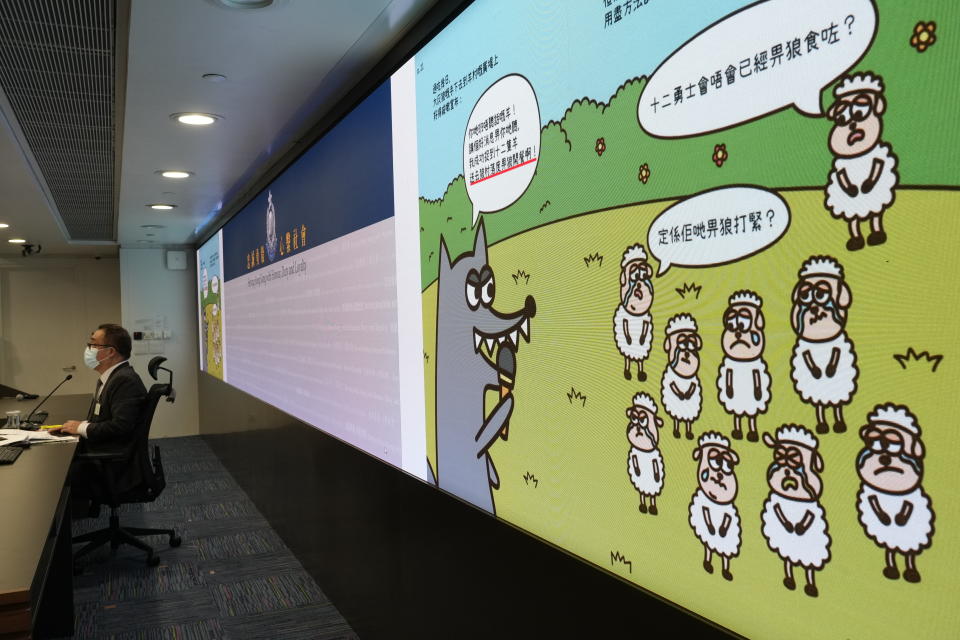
[(69, 376), (506, 374)]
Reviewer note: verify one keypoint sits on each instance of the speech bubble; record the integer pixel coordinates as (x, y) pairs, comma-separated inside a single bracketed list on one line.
[(501, 145), (215, 285), (717, 227), (205, 281), (761, 59)]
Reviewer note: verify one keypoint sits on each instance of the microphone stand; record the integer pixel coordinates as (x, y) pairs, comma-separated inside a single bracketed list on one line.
[(40, 404)]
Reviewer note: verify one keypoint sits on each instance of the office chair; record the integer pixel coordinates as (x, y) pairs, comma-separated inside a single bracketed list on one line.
[(110, 464)]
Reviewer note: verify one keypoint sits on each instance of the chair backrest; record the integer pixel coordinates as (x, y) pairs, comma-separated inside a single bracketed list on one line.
[(152, 473)]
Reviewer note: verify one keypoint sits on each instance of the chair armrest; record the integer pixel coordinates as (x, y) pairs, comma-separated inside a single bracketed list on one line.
[(106, 455)]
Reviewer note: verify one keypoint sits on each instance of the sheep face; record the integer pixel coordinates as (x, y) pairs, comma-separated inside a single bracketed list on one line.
[(794, 471), (715, 472), (891, 459), (743, 338), (636, 288), (856, 123), (643, 429), (683, 351), (820, 306)]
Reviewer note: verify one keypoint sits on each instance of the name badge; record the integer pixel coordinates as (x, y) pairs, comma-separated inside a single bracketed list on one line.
[(96, 409)]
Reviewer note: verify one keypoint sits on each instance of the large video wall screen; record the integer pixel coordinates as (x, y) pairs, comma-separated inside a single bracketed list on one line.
[(677, 278)]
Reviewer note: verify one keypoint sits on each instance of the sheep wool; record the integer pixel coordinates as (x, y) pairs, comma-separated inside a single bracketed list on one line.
[(914, 536), (635, 350), (810, 550), (680, 409), (728, 545), (825, 390), (857, 168), (743, 402), (645, 483)]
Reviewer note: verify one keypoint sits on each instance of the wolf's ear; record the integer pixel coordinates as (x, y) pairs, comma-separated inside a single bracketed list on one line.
[(444, 255), (480, 243)]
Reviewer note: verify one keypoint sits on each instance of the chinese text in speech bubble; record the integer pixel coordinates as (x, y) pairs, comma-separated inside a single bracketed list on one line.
[(758, 60), (501, 145), (717, 227)]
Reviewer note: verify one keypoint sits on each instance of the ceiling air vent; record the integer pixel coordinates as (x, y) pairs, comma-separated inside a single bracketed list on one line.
[(57, 71)]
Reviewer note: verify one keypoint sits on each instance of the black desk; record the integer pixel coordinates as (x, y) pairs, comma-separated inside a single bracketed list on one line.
[(36, 556)]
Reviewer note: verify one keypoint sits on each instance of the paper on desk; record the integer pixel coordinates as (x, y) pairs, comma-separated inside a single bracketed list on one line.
[(10, 436)]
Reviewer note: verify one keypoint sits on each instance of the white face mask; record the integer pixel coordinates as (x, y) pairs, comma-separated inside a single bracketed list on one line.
[(90, 357)]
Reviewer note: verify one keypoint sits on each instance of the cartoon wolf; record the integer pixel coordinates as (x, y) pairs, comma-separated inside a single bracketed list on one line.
[(476, 353)]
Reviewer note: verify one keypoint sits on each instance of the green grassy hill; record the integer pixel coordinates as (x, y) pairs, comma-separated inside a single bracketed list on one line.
[(785, 149)]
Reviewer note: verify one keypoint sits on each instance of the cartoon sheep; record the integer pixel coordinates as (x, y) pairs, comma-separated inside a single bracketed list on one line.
[(894, 510), (632, 323), (861, 183), (824, 364), (644, 463), (713, 515), (680, 386), (743, 382), (794, 523)]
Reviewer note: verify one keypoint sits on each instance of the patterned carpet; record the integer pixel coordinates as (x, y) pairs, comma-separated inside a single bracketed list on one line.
[(233, 577)]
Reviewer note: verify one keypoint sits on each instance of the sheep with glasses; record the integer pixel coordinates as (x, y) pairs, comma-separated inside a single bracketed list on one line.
[(644, 462), (864, 174), (713, 515), (824, 363), (894, 510)]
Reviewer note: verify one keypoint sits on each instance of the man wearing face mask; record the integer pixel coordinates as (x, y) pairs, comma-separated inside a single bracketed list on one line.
[(119, 394)]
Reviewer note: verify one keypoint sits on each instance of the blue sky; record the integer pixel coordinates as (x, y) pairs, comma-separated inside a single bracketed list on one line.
[(563, 48)]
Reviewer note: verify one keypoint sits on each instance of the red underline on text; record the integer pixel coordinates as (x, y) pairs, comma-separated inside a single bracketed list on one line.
[(516, 166)]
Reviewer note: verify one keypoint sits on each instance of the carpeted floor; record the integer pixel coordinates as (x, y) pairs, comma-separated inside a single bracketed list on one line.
[(233, 577)]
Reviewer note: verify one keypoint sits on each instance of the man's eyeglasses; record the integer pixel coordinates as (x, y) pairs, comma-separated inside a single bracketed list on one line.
[(94, 345)]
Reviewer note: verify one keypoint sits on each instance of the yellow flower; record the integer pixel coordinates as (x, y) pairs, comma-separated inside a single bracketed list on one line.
[(644, 174), (923, 36), (720, 154)]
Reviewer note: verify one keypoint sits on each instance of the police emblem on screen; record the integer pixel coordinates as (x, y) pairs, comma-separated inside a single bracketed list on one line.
[(271, 228)]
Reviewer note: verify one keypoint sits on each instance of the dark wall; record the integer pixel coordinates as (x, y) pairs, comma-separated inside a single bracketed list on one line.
[(399, 558)]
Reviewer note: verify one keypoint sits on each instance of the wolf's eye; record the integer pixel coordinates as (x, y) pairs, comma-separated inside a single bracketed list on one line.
[(487, 292), (473, 295)]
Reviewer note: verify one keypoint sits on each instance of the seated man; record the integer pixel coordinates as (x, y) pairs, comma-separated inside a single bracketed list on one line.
[(116, 404)]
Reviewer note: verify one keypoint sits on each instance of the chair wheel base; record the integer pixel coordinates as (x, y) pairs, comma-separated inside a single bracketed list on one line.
[(175, 541)]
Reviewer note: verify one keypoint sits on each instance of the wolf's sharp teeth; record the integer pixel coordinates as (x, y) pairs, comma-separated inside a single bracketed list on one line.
[(525, 328), (500, 339), (476, 341), (515, 338), (489, 342)]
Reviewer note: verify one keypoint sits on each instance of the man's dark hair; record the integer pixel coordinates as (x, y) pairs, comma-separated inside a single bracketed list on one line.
[(117, 337)]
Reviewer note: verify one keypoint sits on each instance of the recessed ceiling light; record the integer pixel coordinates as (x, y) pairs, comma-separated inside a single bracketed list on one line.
[(152, 226), (145, 241), (16, 240), (162, 207), (244, 4), (195, 118), (176, 174), (4, 225), (150, 235), (214, 77)]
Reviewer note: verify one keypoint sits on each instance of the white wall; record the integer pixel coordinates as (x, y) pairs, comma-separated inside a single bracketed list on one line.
[(151, 295), (48, 308)]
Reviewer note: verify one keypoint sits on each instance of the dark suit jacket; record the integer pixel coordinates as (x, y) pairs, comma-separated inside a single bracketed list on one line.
[(122, 399)]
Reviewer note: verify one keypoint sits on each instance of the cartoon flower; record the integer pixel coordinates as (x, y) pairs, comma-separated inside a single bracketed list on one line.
[(644, 173), (720, 154), (923, 36), (600, 147)]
